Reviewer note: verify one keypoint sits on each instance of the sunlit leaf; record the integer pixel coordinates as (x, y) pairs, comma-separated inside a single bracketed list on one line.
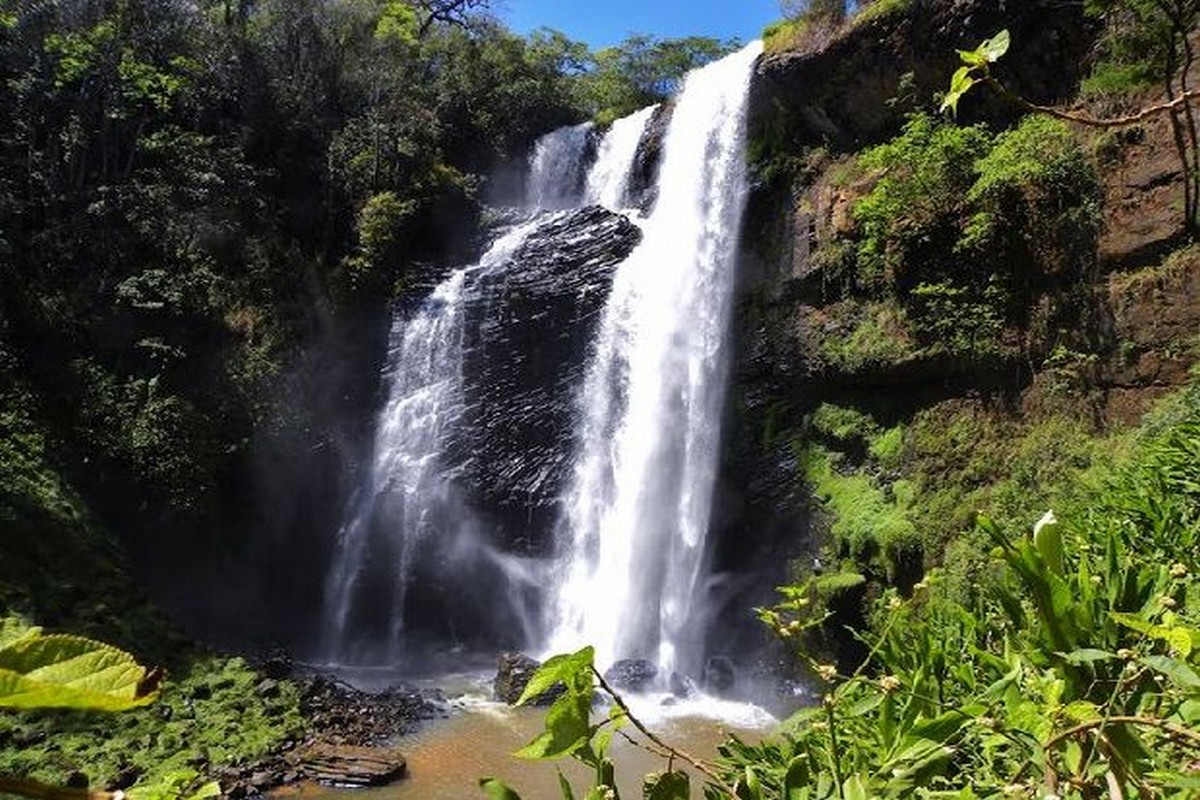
[(993, 49), (558, 669), (62, 671), (1088, 655)]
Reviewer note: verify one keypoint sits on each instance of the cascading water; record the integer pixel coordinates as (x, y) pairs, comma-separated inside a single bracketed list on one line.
[(478, 428), (637, 512), (556, 168), (412, 509), (608, 180), (407, 496)]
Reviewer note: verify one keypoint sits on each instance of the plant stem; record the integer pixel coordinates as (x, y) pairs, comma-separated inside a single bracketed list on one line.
[(704, 767)]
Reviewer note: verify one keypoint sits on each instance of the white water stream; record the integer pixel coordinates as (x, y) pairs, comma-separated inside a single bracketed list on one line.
[(608, 180), (635, 525), (631, 562)]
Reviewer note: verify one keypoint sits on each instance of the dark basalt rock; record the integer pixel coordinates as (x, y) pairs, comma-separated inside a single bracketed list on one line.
[(681, 685), (631, 675), (344, 765), (513, 671), (643, 175), (719, 675), (533, 319)]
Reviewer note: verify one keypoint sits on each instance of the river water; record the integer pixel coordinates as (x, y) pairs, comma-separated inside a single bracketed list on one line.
[(446, 758)]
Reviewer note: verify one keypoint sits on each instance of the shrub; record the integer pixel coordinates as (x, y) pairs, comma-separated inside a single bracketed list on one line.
[(924, 175)]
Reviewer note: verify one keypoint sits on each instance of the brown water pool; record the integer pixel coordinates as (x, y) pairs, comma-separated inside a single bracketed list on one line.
[(447, 758)]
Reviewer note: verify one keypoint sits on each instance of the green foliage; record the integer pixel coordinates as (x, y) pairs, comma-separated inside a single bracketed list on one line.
[(870, 335), (570, 731), (948, 231), (870, 524), (878, 9), (214, 714), (640, 71), (1073, 673), (961, 320), (784, 35), (65, 672), (398, 23), (62, 671), (842, 424), (1036, 184), (925, 173)]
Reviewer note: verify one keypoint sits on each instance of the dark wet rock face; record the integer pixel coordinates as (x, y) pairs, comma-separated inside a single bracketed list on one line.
[(631, 675), (719, 675), (643, 176), (534, 318)]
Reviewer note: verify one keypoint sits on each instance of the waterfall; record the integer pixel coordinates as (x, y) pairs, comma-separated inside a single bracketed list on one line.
[(608, 180), (411, 509), (407, 496), (556, 168), (479, 429), (636, 515)]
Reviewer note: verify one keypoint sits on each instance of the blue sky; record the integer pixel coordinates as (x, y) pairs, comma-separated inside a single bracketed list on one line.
[(604, 22)]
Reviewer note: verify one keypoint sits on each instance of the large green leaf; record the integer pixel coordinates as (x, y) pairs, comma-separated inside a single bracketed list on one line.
[(567, 728), (565, 669), (1181, 674), (993, 49), (62, 671)]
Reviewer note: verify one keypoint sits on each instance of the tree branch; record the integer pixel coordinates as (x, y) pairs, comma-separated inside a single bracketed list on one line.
[(703, 766), (1087, 119)]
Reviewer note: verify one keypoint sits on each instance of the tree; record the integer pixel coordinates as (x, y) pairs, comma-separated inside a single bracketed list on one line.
[(1166, 22), (640, 71)]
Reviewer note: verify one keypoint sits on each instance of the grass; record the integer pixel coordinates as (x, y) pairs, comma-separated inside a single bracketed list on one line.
[(785, 35)]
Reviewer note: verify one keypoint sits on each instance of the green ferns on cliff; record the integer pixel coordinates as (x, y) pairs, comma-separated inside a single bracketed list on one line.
[(1072, 672), (974, 221)]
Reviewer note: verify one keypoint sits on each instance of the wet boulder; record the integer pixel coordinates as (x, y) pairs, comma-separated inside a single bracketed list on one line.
[(513, 671), (631, 675)]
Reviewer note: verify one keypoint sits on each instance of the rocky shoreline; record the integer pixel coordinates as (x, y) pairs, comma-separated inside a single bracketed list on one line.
[(353, 740)]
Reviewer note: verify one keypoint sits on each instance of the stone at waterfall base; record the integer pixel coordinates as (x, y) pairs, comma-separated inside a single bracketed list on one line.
[(346, 765), (632, 675), (513, 671)]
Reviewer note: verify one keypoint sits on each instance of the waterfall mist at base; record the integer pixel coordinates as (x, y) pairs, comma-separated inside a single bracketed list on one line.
[(543, 467)]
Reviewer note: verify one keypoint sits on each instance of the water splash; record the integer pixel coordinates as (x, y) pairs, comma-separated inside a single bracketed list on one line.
[(408, 496), (556, 168), (636, 517), (608, 179)]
